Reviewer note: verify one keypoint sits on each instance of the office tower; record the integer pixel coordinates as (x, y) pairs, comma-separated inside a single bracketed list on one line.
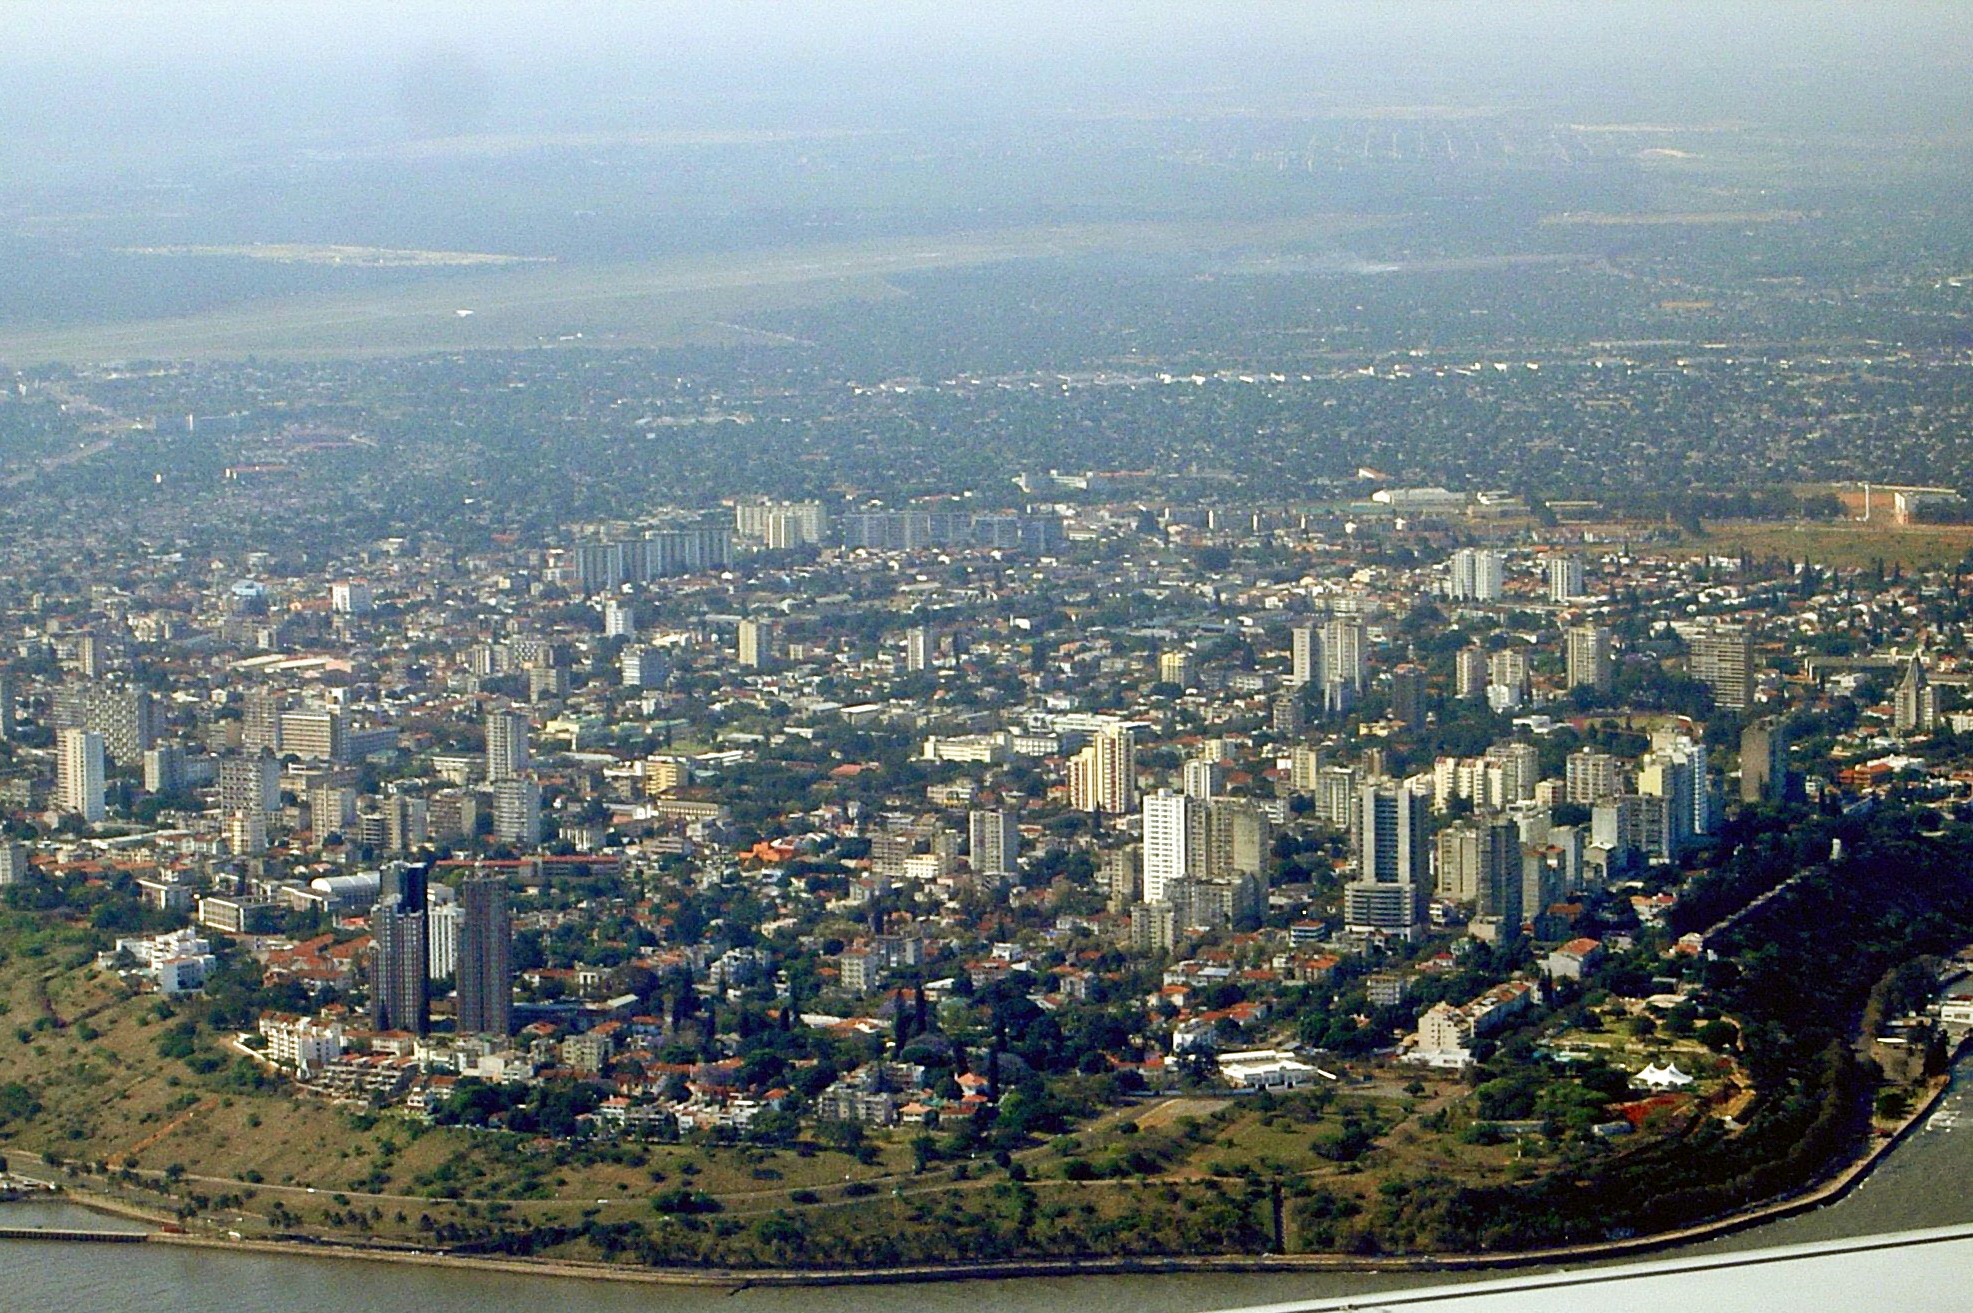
[(1697, 787), (1469, 666), (778, 526), (331, 810), (1306, 656), (1474, 574), (455, 814), (1391, 835), (1565, 578), (1343, 645), (399, 991), (917, 649), (1153, 927), (1449, 782), (1480, 863), (758, 639), (1668, 776), (1374, 907), (1508, 668), (517, 811), (994, 840), (643, 667), (352, 598), (1507, 678), (546, 682), (1284, 714), (408, 882), (506, 745), (1589, 661), (1915, 703), (407, 822), (619, 619), (664, 775), (246, 833), (1460, 861), (315, 735), (80, 773), (13, 862), (1763, 762), (1117, 876), (1590, 776), (1303, 764), (1170, 822), (92, 656), (1335, 795), (1175, 668), (1519, 766), (260, 725), (250, 782), (1203, 779), (1500, 890), (1240, 839), (1408, 695), (684, 551), (1722, 658), (6, 706), (600, 567), (1103, 776), (164, 769), (486, 948), (127, 718)]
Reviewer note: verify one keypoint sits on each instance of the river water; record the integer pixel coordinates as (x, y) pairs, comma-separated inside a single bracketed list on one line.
[(1919, 1185)]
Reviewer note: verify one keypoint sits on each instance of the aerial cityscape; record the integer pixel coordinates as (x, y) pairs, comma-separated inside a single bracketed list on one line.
[(1363, 679)]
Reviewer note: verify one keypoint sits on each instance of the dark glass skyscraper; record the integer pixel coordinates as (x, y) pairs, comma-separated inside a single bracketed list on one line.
[(398, 996), (486, 935)]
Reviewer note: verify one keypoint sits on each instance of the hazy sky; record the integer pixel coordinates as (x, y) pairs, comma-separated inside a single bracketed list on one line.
[(110, 74)]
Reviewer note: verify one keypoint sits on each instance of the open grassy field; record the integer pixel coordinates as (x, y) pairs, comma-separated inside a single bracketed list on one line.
[(658, 303), (1838, 544)]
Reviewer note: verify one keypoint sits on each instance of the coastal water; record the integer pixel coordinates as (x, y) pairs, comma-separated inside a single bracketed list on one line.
[(1920, 1185)]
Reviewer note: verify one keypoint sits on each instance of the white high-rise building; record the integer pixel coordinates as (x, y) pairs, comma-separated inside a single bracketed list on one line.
[(442, 939), (1507, 678), (1565, 578), (917, 649), (1303, 765), (1168, 818), (1204, 780), (1590, 665), (1520, 769), (517, 811), (1103, 776), (619, 619), (506, 744), (80, 778), (352, 598), (1593, 776), (994, 839), (756, 643), (1475, 574), (1306, 655), (249, 782), (1343, 650)]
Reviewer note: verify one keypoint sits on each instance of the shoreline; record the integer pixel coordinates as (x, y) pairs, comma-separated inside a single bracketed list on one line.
[(1827, 1191)]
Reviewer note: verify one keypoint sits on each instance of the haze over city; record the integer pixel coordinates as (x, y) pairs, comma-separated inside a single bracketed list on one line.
[(1178, 657)]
